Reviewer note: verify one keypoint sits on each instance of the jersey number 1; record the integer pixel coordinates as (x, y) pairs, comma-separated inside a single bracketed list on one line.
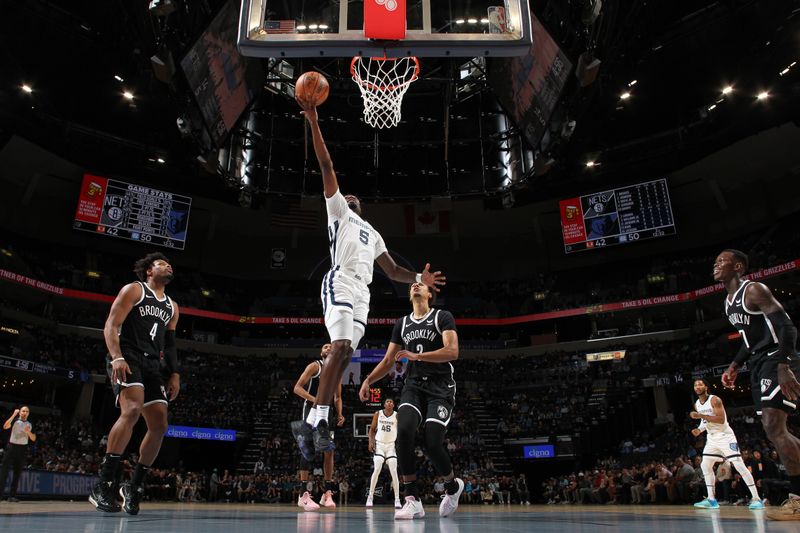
[(153, 331)]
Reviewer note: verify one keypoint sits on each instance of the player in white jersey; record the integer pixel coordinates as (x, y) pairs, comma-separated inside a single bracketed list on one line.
[(720, 446), (355, 246), (382, 436)]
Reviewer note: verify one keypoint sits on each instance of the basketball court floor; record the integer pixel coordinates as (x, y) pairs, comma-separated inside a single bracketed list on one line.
[(46, 517)]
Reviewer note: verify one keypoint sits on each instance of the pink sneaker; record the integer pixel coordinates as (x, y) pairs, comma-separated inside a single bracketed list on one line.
[(412, 509), (327, 500), (307, 503)]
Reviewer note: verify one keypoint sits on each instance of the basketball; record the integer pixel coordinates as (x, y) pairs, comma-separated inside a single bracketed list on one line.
[(312, 87)]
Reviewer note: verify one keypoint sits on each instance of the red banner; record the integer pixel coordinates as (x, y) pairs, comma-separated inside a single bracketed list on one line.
[(90, 202), (535, 317), (572, 221)]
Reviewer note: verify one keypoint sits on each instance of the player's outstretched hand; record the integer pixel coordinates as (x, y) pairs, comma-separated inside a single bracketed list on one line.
[(363, 392), (405, 354), (309, 110), (433, 279), (790, 387), (173, 387), (695, 415), (729, 378), (120, 370)]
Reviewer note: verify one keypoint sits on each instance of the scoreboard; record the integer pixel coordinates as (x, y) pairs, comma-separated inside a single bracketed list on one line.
[(129, 211), (618, 216)]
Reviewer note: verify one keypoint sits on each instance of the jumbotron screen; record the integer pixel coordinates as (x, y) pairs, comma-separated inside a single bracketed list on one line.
[(129, 211), (619, 216)]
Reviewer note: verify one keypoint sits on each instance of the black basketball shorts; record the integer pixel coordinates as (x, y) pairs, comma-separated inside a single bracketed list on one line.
[(433, 398), (146, 373), (764, 382)]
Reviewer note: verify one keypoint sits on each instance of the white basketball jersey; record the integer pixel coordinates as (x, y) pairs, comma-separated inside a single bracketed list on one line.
[(354, 242), (711, 427), (386, 432)]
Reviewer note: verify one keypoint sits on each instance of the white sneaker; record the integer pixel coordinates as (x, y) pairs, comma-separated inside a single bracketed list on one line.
[(450, 502), (327, 500), (412, 509), (369, 501), (397, 504), (307, 503)]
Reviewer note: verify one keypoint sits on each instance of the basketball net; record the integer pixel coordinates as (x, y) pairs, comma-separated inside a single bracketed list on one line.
[(383, 82)]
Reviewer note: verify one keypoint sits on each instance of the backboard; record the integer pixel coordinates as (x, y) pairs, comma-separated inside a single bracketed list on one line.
[(433, 28)]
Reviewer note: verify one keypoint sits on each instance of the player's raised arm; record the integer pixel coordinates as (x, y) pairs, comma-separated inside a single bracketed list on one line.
[(383, 368), (329, 183), (397, 273)]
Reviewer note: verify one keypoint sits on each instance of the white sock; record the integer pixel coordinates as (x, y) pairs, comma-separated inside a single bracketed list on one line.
[(312, 416), (747, 476), (707, 466), (322, 414)]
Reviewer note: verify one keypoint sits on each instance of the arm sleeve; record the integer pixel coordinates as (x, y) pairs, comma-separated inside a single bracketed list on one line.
[(446, 321), (786, 333), (170, 352), (742, 355), (397, 333), (337, 206)]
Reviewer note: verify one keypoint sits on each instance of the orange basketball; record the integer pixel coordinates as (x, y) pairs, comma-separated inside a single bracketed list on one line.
[(312, 87)]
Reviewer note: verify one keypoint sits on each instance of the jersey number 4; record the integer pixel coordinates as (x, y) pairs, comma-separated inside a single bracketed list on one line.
[(387, 429), (153, 331)]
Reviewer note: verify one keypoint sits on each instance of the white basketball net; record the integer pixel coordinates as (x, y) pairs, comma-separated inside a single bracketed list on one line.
[(383, 82)]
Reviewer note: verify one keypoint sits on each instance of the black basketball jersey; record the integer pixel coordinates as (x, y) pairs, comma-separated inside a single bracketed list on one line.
[(757, 332), (144, 328), (424, 335), (313, 385)]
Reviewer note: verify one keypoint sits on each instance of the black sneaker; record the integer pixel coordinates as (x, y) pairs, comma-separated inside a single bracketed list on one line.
[(131, 497), (103, 498), (302, 434), (322, 438)]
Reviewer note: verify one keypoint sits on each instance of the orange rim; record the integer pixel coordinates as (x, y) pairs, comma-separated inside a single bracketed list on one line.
[(372, 86)]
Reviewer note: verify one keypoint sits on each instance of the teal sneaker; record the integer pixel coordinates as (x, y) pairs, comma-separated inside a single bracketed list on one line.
[(756, 505), (709, 504)]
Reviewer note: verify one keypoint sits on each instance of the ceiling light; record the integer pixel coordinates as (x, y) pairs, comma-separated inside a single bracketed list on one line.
[(793, 63), (313, 26), (472, 21), (118, 78), (590, 164), (712, 107), (625, 96), (302, 27), (323, 26), (763, 95), (727, 90), (484, 21), (127, 95), (460, 21), (26, 88), (161, 160), (784, 71), (632, 83)]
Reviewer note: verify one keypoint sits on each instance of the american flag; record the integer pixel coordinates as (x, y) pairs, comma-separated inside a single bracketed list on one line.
[(290, 215), (279, 26)]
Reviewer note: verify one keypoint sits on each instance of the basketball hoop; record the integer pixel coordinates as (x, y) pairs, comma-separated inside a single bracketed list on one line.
[(383, 82)]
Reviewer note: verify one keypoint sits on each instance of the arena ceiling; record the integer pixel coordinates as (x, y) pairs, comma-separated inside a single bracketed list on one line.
[(79, 58)]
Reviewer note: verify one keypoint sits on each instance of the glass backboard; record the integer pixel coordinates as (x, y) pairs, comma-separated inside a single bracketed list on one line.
[(433, 28)]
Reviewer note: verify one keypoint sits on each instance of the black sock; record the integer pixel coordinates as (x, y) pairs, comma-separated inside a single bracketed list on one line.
[(410, 489), (794, 483), (109, 467), (139, 473), (451, 486), (329, 485)]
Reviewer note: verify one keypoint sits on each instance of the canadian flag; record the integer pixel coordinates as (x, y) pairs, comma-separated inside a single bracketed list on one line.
[(422, 220)]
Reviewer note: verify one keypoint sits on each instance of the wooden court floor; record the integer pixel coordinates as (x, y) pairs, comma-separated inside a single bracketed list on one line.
[(62, 517)]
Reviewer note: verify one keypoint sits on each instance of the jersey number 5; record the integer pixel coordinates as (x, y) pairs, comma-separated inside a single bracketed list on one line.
[(363, 236), (153, 331)]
